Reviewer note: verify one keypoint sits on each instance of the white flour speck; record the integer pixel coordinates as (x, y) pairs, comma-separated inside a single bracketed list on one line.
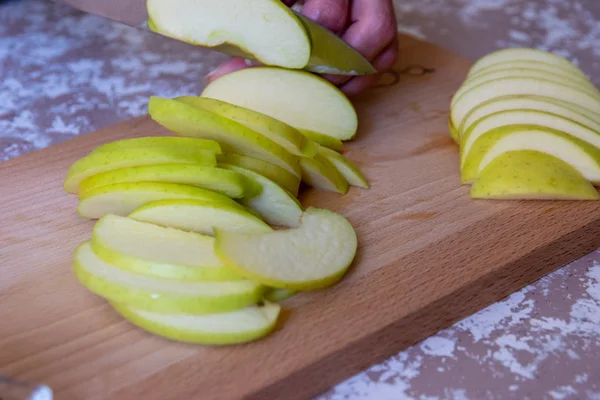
[(438, 346)]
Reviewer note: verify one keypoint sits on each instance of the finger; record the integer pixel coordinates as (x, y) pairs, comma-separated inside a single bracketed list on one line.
[(373, 28), (230, 66), (383, 62), (332, 14)]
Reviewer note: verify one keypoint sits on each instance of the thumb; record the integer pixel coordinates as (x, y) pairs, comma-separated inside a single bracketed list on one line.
[(332, 14)]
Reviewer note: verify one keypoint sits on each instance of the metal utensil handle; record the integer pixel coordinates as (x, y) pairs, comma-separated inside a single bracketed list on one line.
[(11, 389)]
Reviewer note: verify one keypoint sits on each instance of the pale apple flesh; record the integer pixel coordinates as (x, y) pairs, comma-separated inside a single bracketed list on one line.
[(346, 168), (161, 142), (528, 64), (275, 295), (323, 140), (321, 174)]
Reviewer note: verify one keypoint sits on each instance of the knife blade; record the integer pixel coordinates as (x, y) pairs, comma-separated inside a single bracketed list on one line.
[(329, 53)]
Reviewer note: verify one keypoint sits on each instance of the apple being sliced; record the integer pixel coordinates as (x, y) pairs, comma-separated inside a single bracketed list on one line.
[(266, 29), (228, 183), (315, 255), (273, 203), (321, 174), (187, 120), (276, 295), (531, 175), (235, 327), (158, 294), (162, 142), (298, 98), (122, 198), (282, 177), (348, 170), (96, 163), (149, 249), (199, 216), (580, 155)]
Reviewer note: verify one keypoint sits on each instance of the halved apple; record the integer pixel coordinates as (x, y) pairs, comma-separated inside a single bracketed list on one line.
[(199, 216), (533, 175), (187, 120), (298, 98), (266, 29), (323, 140), (273, 203), (159, 294), (235, 327), (320, 173), (228, 183), (149, 249), (122, 198), (349, 171), (161, 141), (581, 155), (275, 295), (282, 177), (103, 161), (315, 255)]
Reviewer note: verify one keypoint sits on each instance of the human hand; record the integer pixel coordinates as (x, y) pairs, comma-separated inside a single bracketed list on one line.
[(367, 25)]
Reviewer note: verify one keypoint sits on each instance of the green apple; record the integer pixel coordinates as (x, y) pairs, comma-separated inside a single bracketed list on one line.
[(282, 177), (525, 117), (187, 120), (96, 163), (315, 255), (149, 249), (298, 98), (158, 294), (235, 327), (346, 168), (122, 198), (514, 86), (267, 29), (228, 183), (321, 174), (581, 155), (273, 203), (276, 295), (161, 141), (323, 140), (199, 216), (281, 133), (527, 174)]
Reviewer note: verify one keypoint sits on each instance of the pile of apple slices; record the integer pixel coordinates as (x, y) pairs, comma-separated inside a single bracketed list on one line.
[(528, 125)]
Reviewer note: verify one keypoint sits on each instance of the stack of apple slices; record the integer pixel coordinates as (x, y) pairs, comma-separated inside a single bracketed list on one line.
[(528, 125)]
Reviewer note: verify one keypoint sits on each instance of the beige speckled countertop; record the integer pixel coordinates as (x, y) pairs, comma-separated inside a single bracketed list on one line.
[(64, 73)]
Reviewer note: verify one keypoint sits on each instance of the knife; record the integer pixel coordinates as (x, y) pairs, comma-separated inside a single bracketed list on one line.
[(329, 53)]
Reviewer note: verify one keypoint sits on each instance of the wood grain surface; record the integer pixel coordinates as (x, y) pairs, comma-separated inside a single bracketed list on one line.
[(428, 256)]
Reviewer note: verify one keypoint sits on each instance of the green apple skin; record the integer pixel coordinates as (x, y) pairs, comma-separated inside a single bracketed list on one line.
[(161, 142), (199, 216), (129, 157), (346, 168), (233, 137), (577, 153), (227, 183), (300, 99), (123, 198), (158, 294), (265, 30), (282, 177), (236, 327), (276, 295), (274, 204), (313, 256), (321, 174), (323, 140), (532, 175)]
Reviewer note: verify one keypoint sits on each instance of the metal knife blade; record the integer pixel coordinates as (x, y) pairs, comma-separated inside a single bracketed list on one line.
[(329, 54)]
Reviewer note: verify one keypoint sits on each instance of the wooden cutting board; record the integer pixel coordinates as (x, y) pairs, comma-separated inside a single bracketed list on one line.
[(428, 256)]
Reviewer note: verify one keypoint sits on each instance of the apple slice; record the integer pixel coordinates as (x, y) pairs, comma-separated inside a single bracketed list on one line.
[(161, 141), (348, 170), (454, 133), (275, 295), (96, 163), (149, 249), (315, 255), (282, 177), (526, 117), (199, 216), (273, 203), (580, 155), (323, 140), (122, 198), (267, 29), (228, 183), (321, 174), (159, 294), (298, 98), (281, 133), (234, 137), (531, 175), (235, 327)]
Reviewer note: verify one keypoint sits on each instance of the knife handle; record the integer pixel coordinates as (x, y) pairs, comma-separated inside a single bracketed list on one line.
[(11, 389)]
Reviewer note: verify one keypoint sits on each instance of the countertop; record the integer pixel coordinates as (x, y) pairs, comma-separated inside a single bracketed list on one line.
[(64, 73)]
